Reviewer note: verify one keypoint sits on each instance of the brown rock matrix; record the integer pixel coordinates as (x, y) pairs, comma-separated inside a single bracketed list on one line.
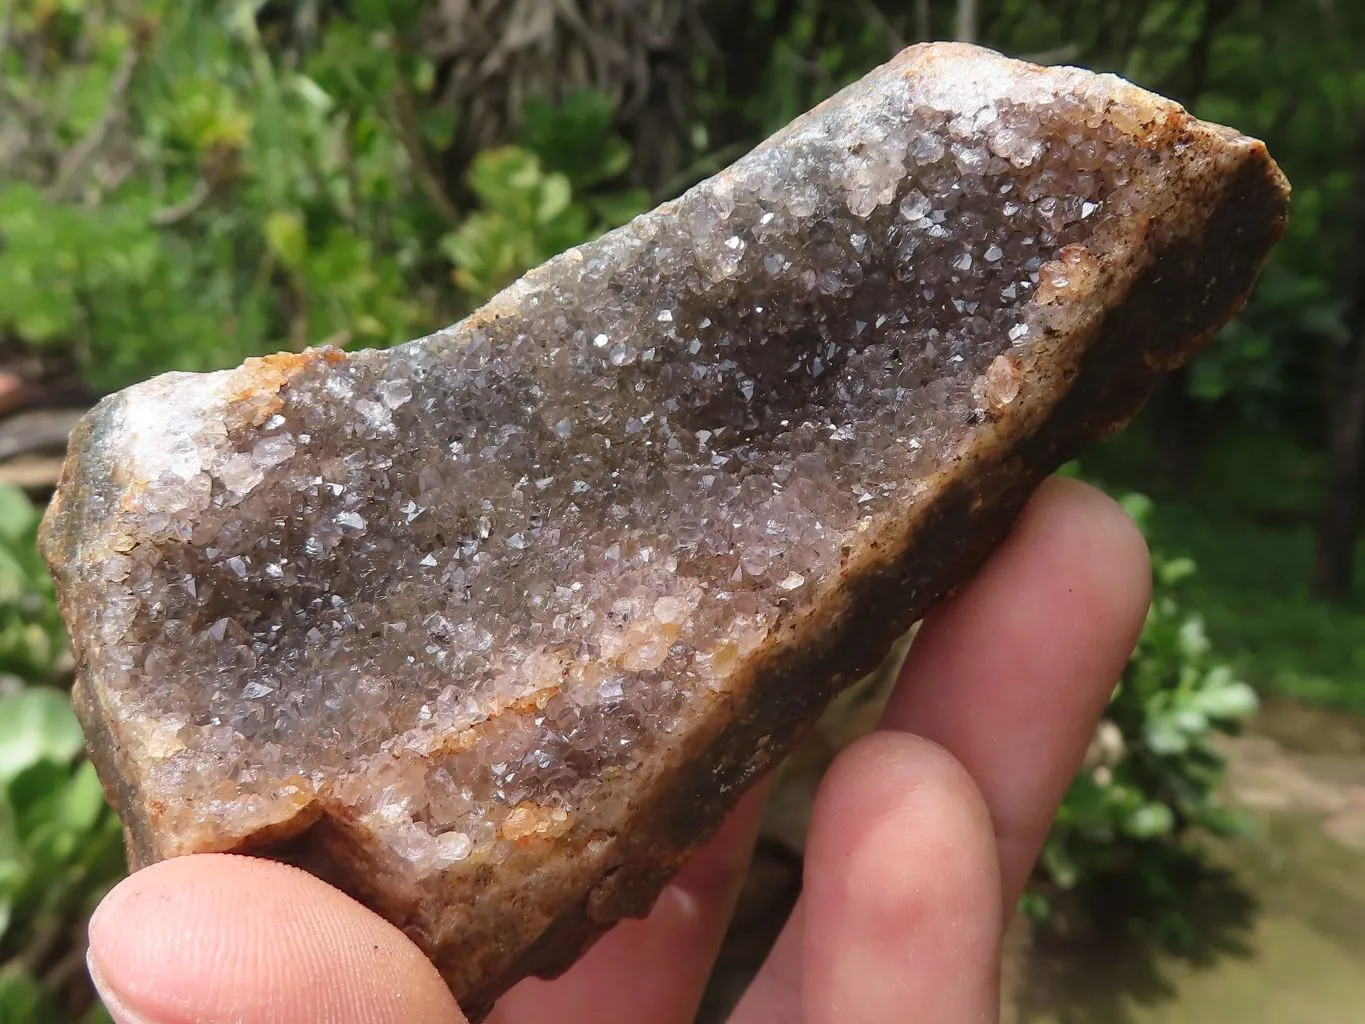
[(491, 629)]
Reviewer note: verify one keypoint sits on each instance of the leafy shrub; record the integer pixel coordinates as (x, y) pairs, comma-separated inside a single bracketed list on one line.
[(1149, 787), (528, 214), (60, 845), (240, 194), (547, 194), (189, 184)]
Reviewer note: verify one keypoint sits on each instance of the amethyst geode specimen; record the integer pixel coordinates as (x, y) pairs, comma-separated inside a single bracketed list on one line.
[(491, 629)]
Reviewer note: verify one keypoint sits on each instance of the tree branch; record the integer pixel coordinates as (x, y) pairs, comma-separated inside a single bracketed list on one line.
[(6, 26), (176, 212), (966, 21), (1214, 12), (426, 178), (79, 156)]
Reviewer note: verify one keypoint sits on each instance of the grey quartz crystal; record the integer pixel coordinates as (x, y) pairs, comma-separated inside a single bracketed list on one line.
[(490, 629)]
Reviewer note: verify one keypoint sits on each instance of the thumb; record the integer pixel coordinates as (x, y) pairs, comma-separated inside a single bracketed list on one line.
[(214, 939)]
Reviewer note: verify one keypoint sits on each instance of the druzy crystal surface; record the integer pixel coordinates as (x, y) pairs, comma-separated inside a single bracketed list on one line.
[(491, 628)]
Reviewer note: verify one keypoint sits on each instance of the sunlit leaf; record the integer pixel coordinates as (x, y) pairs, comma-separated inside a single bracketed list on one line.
[(82, 799), (36, 725), (553, 198), (1225, 698), (287, 237), (1060, 866), (1150, 821)]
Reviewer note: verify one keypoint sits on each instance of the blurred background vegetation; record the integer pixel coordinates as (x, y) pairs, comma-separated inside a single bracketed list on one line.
[(184, 183)]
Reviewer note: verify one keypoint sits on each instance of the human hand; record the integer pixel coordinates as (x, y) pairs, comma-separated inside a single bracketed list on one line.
[(921, 840)]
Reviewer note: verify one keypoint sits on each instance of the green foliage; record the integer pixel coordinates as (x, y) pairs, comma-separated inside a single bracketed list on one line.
[(1150, 782), (237, 199), (1306, 105), (32, 641), (527, 214), (252, 186), (556, 189), (1247, 518), (60, 844), (576, 139)]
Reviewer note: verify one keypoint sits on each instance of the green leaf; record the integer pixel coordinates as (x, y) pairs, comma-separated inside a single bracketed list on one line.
[(576, 138), (1194, 642), (36, 794), (18, 517), (613, 162), (312, 93), (1224, 821), (1138, 507), (1165, 737), (1059, 865), (1151, 821), (1034, 906), (1208, 380), (485, 253), (554, 197), (82, 800), (504, 178), (22, 999), (13, 869), (1225, 699), (36, 725), (437, 126), (1172, 571), (287, 238), (389, 15), (1191, 721)]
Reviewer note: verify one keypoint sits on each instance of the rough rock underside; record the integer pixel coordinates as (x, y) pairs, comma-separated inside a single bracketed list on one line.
[(490, 629)]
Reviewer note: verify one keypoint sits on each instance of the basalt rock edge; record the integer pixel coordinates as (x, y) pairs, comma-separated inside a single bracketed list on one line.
[(491, 629)]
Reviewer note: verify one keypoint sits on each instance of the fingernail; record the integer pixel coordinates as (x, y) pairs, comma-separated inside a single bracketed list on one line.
[(113, 1002)]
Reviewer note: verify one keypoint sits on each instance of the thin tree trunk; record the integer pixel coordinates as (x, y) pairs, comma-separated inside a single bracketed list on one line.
[(1344, 509), (1215, 11), (966, 21), (922, 28)]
